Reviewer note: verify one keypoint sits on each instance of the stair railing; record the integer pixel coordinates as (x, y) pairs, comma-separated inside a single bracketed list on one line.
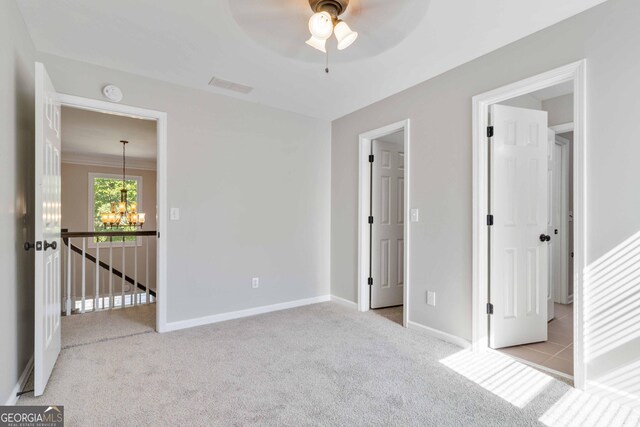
[(98, 292)]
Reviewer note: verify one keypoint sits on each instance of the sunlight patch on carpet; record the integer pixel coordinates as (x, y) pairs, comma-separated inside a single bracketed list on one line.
[(508, 379), (577, 408)]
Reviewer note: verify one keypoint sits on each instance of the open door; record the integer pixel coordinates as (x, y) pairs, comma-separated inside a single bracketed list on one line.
[(518, 238), (387, 232), (47, 230)]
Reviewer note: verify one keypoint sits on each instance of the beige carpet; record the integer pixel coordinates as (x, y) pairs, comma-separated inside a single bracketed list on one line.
[(88, 328), (322, 365)]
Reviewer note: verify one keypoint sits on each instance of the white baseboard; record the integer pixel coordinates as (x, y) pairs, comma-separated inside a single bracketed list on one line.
[(613, 394), (206, 320), (453, 339), (344, 302), (13, 397)]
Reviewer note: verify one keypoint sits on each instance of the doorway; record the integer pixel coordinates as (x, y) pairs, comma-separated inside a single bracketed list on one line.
[(160, 119), (109, 284), (386, 258), (515, 245), (383, 252), (530, 285)]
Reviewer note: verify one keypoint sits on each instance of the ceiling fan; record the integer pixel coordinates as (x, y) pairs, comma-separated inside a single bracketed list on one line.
[(326, 21), (281, 26)]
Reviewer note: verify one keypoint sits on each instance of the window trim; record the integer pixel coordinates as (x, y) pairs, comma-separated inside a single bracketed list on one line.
[(91, 201)]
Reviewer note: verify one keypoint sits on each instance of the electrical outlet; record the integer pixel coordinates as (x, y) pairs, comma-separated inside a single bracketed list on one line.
[(431, 298), (255, 282)]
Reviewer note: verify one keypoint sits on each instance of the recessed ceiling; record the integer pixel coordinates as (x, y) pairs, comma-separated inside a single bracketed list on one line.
[(281, 25), (97, 136), (186, 42)]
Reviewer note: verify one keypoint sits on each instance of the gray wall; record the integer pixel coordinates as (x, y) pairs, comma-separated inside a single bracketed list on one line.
[(253, 187), (440, 111), (560, 109), (16, 196)]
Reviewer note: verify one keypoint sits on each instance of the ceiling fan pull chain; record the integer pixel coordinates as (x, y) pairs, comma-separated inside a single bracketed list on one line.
[(326, 70)]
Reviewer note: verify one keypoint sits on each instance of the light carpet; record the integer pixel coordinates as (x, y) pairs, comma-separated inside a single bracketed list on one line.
[(89, 328), (323, 365)]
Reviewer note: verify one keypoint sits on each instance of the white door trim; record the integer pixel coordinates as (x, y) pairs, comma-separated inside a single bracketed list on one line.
[(161, 120), (363, 212), (563, 128), (575, 72), (561, 293)]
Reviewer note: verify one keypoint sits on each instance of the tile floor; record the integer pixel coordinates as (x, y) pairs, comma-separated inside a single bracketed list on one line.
[(557, 352), (392, 313)]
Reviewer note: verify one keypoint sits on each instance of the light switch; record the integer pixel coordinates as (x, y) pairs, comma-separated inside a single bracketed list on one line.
[(174, 214), (431, 298), (415, 215)]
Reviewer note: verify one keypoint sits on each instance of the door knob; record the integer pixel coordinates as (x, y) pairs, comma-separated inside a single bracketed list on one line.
[(545, 238), (28, 246), (53, 245)]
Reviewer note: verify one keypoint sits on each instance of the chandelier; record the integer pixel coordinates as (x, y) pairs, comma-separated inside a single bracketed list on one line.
[(325, 22), (122, 213)]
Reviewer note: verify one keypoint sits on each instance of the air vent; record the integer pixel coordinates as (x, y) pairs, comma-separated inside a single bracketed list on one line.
[(226, 84)]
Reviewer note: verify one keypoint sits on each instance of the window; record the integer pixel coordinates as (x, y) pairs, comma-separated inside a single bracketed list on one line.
[(105, 189)]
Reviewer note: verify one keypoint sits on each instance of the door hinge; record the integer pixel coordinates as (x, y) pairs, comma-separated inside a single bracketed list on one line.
[(371, 157), (489, 131), (370, 280), (489, 308), (489, 220), (370, 220), (158, 234)]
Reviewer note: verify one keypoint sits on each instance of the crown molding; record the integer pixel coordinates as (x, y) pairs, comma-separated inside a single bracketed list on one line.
[(107, 161)]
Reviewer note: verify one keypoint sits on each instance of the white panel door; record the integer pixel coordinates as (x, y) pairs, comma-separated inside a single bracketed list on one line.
[(518, 237), (47, 230), (387, 252)]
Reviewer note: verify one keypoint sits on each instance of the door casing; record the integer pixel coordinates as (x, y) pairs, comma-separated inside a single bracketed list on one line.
[(162, 209), (575, 72), (364, 195), (561, 292)]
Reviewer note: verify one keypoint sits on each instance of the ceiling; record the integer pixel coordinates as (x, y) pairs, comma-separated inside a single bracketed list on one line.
[(188, 42), (95, 137)]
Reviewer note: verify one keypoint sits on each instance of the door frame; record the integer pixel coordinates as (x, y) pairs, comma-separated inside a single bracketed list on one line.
[(161, 196), (575, 72), (364, 185), (565, 249)]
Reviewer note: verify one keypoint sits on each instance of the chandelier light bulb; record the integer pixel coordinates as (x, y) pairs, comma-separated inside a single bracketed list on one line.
[(345, 35), (321, 25)]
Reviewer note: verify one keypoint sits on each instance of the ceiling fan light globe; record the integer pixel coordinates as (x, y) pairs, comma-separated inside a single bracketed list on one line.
[(321, 25), (345, 35), (317, 43)]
